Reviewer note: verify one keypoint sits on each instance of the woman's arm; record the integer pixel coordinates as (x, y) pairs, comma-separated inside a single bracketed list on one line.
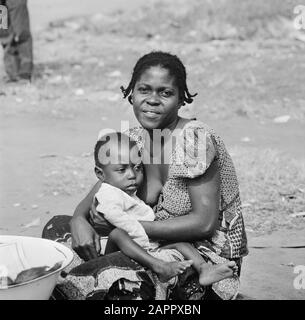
[(85, 241), (202, 221)]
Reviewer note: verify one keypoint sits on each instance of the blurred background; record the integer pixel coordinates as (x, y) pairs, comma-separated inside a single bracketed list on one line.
[(244, 58)]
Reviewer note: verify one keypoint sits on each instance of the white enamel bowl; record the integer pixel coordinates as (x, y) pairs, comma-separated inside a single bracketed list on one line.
[(38, 252)]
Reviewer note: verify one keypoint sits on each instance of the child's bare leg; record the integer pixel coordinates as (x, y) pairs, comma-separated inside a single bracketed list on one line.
[(208, 273), (164, 270)]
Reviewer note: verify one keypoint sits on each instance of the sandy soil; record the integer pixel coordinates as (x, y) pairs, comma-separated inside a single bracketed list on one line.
[(43, 12), (47, 132)]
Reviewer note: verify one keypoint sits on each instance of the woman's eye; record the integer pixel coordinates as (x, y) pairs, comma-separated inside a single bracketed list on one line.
[(121, 170), (138, 167), (143, 90), (166, 93)]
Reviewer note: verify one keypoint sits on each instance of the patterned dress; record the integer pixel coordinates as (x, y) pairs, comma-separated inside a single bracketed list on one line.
[(115, 276), (196, 148)]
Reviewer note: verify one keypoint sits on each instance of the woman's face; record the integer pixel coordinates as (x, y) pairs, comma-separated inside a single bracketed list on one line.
[(155, 99)]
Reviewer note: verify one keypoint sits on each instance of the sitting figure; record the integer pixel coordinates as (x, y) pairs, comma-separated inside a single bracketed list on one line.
[(119, 166), (195, 197)]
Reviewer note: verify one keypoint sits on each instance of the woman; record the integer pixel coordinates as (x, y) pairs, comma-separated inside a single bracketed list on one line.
[(192, 186)]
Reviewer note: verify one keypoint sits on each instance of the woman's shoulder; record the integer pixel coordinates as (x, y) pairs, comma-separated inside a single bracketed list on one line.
[(196, 133), (195, 149), (194, 124), (199, 129)]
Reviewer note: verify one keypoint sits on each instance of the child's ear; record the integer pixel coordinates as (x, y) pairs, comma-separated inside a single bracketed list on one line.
[(99, 174)]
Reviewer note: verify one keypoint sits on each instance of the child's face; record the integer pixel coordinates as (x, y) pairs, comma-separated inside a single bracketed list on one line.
[(125, 176), (155, 99)]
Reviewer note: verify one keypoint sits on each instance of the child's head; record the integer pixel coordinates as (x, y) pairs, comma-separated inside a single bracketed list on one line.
[(164, 60), (118, 162)]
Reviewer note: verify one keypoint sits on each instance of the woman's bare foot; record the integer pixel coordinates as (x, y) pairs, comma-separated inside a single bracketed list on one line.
[(214, 273), (167, 270)]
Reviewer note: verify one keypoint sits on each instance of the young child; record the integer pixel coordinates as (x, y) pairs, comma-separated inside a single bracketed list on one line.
[(116, 213)]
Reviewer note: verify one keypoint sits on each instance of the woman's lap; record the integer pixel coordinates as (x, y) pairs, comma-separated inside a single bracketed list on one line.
[(88, 280), (115, 276)]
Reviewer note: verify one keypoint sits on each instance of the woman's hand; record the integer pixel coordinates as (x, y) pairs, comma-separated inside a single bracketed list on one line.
[(85, 240)]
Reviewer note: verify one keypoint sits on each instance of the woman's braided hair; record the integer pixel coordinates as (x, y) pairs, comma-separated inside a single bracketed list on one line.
[(167, 61)]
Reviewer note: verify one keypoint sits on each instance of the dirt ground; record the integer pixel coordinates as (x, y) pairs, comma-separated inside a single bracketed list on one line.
[(48, 129)]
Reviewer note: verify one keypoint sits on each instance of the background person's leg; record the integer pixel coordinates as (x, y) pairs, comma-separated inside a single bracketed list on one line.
[(10, 59), (25, 55), (58, 228), (20, 28)]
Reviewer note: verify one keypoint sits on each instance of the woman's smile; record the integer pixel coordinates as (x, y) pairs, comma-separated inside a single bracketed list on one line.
[(152, 114)]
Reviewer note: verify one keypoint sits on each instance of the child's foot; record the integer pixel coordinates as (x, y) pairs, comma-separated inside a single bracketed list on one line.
[(214, 273), (167, 270)]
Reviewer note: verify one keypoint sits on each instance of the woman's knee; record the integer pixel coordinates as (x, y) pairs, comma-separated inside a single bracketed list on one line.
[(57, 227)]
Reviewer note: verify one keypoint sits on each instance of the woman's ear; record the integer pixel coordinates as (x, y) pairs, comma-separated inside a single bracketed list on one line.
[(99, 174), (180, 104), (130, 99)]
